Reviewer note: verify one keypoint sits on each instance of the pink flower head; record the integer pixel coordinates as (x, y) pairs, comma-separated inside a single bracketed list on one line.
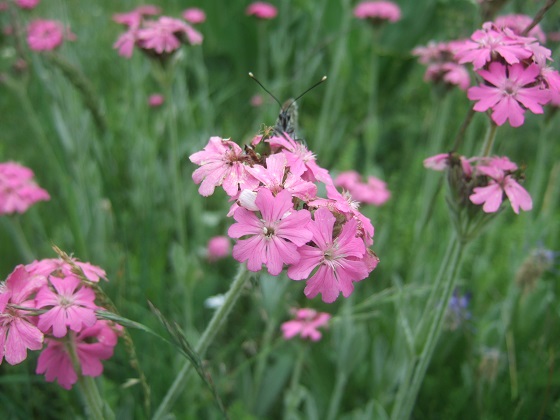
[(70, 305), (165, 35), (378, 11), (92, 345), (274, 178), (449, 73), (27, 4), (440, 162), (156, 100), (257, 100), (194, 15), (218, 248), (17, 330), (487, 43), (60, 268), (261, 10), (134, 18), (272, 238), (300, 159), (17, 189), (305, 325), (434, 52), (125, 43), (509, 91), (221, 163), (518, 23), (499, 171), (340, 260), (46, 35), (373, 192)]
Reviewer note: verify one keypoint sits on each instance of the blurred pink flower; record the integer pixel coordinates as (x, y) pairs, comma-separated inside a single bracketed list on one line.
[(508, 88), (492, 194), (4, 6), (339, 259), (261, 10), (17, 189), (518, 23), (194, 15), (17, 330), (272, 238), (256, 100), (69, 305), (27, 4), (44, 35), (92, 345), (450, 73), (440, 162), (133, 18), (378, 11), (306, 323), (164, 35), (156, 100), (221, 163), (60, 268), (218, 247), (373, 192)]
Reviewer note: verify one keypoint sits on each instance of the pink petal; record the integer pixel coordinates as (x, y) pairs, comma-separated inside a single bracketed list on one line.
[(491, 196), (517, 195)]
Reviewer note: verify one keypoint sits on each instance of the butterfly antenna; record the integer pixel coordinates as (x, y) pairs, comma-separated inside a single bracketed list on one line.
[(311, 88), (252, 76)]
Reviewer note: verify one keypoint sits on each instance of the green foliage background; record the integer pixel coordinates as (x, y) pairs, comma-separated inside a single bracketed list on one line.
[(118, 202)]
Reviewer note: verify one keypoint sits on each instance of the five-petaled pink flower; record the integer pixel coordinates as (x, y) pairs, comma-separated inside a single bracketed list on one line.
[(262, 10), (378, 11), (70, 305), (508, 88), (273, 238), (46, 35), (501, 181), (305, 325), (92, 345), (17, 189), (221, 163), (340, 260), (17, 332)]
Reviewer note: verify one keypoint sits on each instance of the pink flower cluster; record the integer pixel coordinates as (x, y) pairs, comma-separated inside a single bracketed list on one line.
[(442, 66), (378, 11), (47, 35), (17, 189), (513, 68), (27, 4), (161, 37), (487, 179), (262, 10), (374, 191), (280, 220), (305, 324), (47, 303)]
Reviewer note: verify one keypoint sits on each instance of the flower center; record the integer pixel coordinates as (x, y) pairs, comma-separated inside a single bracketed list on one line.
[(510, 88)]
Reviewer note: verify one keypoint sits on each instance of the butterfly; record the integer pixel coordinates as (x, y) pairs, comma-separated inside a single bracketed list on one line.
[(286, 123)]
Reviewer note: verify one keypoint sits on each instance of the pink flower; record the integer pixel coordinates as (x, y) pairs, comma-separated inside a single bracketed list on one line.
[(27, 4), (221, 163), (134, 18), (440, 162), (194, 15), (499, 169), (70, 305), (17, 331), (156, 100), (60, 268), (44, 35), (489, 42), (273, 237), (159, 35), (261, 10), (92, 345), (125, 43), (17, 189), (339, 259), (274, 178), (256, 100), (450, 73), (508, 88), (518, 23), (306, 323), (218, 248), (378, 11), (373, 192)]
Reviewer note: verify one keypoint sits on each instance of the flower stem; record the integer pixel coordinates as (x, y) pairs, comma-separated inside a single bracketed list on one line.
[(92, 399), (334, 405), (403, 409), (212, 329), (489, 140), (291, 400)]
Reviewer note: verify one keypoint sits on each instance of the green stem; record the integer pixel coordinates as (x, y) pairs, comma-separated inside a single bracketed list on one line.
[(212, 329), (371, 134), (92, 398), (13, 227), (336, 397), (292, 394), (403, 410), (489, 140)]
